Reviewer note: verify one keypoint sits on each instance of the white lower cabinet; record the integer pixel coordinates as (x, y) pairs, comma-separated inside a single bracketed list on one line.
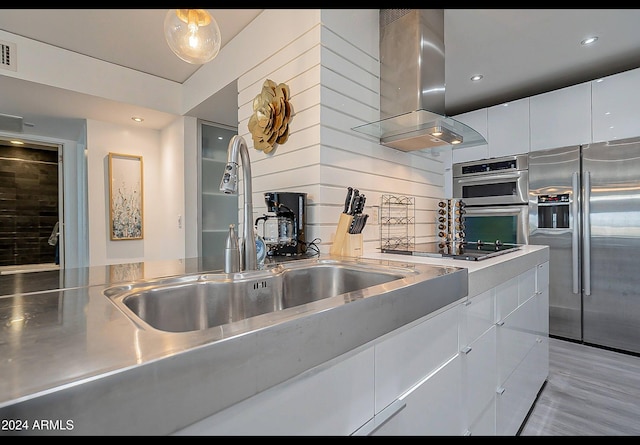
[(432, 407), (523, 352), (518, 393), (478, 348), (473, 368), (334, 400), (479, 360), (407, 357), (505, 352), (417, 381)]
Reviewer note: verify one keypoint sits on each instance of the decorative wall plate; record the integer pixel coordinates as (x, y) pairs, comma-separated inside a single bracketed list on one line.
[(272, 113)]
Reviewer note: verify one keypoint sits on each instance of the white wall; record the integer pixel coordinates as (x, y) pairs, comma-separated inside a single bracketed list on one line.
[(329, 59), (163, 182)]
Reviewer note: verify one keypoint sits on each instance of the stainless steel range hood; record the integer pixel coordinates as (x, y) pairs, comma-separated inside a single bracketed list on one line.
[(412, 85)]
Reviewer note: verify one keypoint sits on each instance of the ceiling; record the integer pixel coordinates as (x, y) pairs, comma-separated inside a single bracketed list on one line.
[(520, 52)]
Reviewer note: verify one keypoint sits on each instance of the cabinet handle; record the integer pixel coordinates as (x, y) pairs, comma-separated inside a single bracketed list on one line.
[(500, 390), (467, 303), (381, 418), (500, 323), (466, 350)]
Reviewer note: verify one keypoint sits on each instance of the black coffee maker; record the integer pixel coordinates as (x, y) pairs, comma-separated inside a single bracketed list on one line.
[(283, 229)]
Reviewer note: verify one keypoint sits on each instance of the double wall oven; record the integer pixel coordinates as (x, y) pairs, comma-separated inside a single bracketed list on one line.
[(495, 192)]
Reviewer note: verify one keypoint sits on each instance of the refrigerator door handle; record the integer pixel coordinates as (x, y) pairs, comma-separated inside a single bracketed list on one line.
[(574, 234), (587, 233)]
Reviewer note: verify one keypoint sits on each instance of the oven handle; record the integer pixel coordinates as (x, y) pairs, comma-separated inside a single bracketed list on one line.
[(574, 232), (490, 178)]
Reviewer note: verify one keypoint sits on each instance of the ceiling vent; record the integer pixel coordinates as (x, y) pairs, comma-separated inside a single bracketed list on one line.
[(10, 123), (8, 56)]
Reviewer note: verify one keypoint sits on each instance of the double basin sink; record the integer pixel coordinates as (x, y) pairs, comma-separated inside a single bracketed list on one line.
[(246, 301)]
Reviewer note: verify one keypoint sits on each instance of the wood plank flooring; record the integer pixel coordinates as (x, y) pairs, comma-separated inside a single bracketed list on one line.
[(590, 391)]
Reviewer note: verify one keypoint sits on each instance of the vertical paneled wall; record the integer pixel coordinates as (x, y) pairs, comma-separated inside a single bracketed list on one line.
[(332, 69), (28, 205)]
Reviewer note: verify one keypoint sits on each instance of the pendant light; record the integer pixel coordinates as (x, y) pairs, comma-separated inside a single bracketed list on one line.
[(192, 34)]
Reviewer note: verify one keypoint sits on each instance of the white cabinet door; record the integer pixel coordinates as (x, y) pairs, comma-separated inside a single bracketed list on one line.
[(516, 397), (508, 128), (407, 357), (477, 120), (542, 289), (527, 285), (522, 351), (506, 298), (515, 337), (479, 367), (478, 316), (336, 400), (561, 117), (432, 407), (616, 106)]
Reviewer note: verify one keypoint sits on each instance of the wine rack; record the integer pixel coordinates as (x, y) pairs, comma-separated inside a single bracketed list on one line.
[(397, 222)]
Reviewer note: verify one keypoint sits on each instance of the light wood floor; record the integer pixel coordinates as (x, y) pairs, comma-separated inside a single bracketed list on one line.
[(590, 392)]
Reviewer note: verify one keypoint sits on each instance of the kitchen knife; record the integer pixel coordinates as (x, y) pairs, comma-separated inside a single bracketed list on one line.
[(347, 202), (362, 222), (353, 225), (360, 204), (354, 200), (359, 222)]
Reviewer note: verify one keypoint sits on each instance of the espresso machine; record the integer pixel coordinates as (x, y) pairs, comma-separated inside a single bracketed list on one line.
[(283, 227)]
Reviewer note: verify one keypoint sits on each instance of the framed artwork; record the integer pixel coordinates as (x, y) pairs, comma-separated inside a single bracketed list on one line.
[(125, 197)]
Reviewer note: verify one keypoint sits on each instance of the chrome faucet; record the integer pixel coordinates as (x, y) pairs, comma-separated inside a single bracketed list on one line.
[(229, 184)]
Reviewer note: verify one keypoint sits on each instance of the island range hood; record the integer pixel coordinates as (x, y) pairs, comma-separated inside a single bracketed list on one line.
[(412, 85)]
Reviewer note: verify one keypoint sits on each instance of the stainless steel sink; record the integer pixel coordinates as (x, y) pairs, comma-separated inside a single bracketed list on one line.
[(200, 302)]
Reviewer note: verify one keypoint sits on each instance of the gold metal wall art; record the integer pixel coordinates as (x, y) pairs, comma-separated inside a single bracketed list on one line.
[(272, 113)]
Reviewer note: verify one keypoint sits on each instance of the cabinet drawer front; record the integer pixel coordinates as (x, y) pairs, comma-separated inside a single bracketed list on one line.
[(478, 316), (506, 298), (407, 357), (521, 390), (479, 366), (516, 337), (333, 401), (432, 408), (526, 285)]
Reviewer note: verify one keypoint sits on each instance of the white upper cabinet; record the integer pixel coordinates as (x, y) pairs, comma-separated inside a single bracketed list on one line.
[(477, 120), (508, 128), (504, 126), (616, 106), (561, 117)]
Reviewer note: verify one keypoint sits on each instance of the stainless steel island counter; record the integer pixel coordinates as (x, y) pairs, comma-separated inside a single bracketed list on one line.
[(72, 362)]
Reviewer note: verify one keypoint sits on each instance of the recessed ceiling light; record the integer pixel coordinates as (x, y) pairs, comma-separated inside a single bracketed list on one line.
[(476, 78), (137, 119), (16, 142), (589, 41)]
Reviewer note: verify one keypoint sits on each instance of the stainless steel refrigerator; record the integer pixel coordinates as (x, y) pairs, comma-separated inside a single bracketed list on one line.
[(584, 203)]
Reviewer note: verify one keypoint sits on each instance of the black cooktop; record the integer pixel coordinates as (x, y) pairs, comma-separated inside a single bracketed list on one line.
[(471, 251)]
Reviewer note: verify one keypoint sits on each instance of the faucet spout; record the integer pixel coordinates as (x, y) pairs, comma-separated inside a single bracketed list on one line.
[(229, 184)]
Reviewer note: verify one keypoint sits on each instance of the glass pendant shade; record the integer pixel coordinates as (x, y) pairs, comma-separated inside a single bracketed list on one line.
[(192, 34)]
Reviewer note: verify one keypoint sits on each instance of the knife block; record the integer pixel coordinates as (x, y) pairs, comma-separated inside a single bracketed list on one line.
[(353, 245), (342, 232)]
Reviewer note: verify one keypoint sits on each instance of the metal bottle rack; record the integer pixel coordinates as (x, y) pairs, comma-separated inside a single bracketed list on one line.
[(397, 222)]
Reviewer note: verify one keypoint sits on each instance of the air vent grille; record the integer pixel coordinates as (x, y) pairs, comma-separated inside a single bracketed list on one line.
[(8, 56)]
